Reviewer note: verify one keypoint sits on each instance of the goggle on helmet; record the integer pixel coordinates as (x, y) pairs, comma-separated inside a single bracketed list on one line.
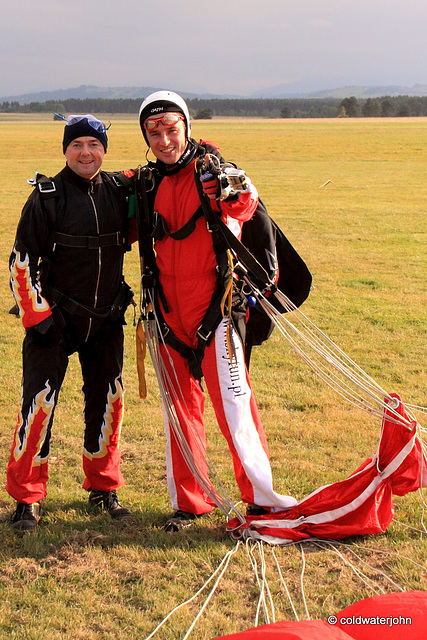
[(161, 102)]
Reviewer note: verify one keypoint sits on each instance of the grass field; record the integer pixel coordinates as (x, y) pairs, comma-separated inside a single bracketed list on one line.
[(351, 196)]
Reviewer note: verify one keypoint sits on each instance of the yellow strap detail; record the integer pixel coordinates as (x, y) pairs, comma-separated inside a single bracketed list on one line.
[(141, 350), (228, 296)]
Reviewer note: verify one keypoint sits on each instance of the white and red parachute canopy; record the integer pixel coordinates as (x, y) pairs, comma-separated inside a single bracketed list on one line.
[(360, 505), (392, 616), (303, 630)]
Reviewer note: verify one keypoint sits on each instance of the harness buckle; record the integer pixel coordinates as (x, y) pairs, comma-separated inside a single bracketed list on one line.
[(203, 333), (159, 231), (47, 187), (92, 242), (165, 330), (116, 181)]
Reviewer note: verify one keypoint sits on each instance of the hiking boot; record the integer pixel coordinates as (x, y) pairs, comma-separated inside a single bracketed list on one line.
[(256, 510), (26, 516), (109, 501), (180, 520)]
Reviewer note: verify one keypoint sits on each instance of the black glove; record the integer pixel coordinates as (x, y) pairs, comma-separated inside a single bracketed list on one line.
[(44, 326), (43, 333), (47, 333)]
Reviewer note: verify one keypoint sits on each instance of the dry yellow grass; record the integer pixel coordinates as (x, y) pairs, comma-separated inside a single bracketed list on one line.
[(364, 238)]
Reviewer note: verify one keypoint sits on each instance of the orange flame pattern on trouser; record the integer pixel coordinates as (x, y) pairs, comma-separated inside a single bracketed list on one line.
[(45, 363)]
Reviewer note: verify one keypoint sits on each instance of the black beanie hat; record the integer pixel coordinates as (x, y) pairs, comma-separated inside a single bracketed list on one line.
[(80, 129)]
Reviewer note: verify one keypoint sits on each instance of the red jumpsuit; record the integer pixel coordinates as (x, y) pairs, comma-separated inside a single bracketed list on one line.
[(188, 279)]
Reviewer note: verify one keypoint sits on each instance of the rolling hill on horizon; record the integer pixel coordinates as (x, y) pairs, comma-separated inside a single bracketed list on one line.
[(281, 91)]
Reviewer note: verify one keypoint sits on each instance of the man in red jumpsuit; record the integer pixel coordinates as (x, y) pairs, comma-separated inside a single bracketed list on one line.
[(187, 280), (66, 276)]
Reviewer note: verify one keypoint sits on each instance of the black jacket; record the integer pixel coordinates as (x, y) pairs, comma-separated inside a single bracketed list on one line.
[(90, 274)]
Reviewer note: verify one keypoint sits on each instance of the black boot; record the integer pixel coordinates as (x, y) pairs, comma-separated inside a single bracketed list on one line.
[(109, 501), (256, 510), (180, 520), (26, 516)]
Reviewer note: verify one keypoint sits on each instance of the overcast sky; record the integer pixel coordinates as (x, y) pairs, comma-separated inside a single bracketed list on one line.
[(216, 46)]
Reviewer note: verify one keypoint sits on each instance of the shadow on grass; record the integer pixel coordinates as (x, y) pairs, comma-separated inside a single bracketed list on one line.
[(75, 524)]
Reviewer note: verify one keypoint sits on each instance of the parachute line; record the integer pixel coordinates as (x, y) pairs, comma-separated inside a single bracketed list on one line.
[(329, 361), (171, 393)]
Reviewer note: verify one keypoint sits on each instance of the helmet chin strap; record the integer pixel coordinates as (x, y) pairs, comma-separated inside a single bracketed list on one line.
[(187, 157)]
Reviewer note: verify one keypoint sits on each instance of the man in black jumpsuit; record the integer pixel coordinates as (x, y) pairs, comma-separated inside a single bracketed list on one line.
[(66, 276)]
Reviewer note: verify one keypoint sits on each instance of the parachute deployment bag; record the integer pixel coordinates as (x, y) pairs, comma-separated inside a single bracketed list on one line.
[(269, 245)]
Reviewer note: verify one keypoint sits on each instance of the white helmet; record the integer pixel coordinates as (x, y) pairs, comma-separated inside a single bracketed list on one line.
[(161, 102)]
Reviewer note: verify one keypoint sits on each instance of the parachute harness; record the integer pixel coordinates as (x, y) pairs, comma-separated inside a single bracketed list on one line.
[(170, 392)]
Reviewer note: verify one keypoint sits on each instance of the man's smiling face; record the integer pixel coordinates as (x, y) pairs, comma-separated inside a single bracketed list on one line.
[(168, 143), (84, 156)]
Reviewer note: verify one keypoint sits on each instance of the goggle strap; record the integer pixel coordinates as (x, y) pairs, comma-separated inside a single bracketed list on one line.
[(93, 122), (175, 118)]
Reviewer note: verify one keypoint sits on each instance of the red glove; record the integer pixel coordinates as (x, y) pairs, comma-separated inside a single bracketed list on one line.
[(209, 180), (210, 184)]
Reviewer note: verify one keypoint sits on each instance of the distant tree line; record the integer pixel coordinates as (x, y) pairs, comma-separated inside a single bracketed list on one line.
[(351, 107)]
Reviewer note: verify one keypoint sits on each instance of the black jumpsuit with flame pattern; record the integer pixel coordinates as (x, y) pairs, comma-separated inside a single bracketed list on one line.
[(89, 275)]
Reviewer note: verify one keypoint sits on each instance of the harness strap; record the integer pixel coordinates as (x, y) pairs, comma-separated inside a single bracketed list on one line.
[(89, 242), (161, 228), (50, 193), (144, 228), (215, 224), (211, 320), (73, 307), (193, 356)]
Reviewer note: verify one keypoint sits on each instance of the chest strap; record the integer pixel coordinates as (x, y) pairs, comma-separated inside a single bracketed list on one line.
[(161, 229), (89, 242)]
